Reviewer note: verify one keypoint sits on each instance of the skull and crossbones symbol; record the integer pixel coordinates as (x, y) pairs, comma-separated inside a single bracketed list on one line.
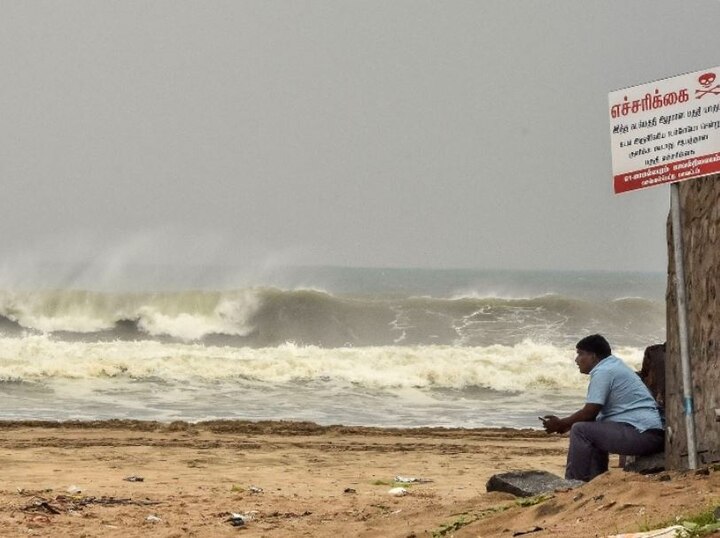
[(706, 81)]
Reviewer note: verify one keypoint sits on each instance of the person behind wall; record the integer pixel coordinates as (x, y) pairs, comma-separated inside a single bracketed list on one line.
[(620, 416)]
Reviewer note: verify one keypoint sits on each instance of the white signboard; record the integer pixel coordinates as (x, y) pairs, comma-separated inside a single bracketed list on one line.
[(666, 131)]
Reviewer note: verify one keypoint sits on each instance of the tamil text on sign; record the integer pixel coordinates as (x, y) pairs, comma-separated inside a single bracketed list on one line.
[(666, 131)]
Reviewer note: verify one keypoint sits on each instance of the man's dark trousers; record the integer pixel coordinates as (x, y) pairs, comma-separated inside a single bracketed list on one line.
[(591, 442)]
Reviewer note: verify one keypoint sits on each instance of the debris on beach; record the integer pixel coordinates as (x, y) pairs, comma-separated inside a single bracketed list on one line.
[(74, 503), (32, 492), (239, 520), (398, 492), (412, 479), (667, 532), (134, 478), (253, 490), (40, 505), (108, 501)]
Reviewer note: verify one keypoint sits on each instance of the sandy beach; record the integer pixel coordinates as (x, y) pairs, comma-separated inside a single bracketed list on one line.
[(300, 479)]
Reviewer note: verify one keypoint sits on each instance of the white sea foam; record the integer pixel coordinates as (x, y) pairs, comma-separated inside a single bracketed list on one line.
[(525, 366)]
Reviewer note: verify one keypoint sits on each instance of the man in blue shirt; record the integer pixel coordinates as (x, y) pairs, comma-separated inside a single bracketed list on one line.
[(620, 416)]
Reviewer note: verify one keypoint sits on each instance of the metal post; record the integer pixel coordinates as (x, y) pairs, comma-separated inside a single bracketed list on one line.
[(682, 324)]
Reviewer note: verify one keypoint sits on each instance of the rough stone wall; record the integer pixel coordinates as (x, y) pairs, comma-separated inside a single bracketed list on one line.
[(700, 203)]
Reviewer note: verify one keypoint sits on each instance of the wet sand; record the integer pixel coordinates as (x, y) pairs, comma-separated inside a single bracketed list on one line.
[(300, 479)]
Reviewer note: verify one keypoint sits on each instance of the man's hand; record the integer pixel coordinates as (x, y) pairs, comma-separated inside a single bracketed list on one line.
[(553, 424)]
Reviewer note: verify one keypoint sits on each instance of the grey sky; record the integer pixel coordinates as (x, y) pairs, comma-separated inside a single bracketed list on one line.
[(359, 133)]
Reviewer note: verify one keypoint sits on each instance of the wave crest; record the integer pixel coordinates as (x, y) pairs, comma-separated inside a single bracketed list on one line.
[(261, 317)]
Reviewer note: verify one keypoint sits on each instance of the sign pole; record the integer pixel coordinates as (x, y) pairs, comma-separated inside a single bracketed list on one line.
[(682, 324)]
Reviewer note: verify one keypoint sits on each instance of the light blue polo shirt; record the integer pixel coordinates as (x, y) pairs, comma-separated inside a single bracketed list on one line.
[(623, 395)]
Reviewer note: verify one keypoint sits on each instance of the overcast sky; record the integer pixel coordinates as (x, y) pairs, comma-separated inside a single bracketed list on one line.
[(397, 133)]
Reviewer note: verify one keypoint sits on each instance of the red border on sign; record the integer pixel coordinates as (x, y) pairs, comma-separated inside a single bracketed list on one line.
[(671, 172)]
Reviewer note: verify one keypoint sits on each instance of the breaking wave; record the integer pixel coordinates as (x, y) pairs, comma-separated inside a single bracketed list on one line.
[(262, 317), (524, 366)]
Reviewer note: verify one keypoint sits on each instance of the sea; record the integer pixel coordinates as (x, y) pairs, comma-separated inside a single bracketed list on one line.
[(330, 345)]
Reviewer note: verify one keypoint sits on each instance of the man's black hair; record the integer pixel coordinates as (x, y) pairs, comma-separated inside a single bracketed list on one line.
[(595, 343)]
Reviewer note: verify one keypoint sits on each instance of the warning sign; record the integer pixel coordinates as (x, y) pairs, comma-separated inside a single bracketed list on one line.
[(665, 131)]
